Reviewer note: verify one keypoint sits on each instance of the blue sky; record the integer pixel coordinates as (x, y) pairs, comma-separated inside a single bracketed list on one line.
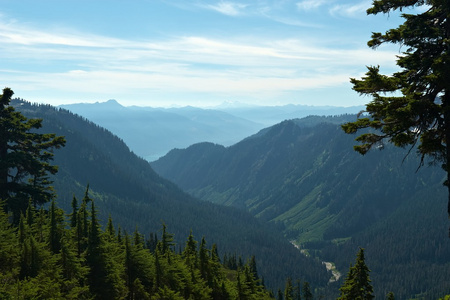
[(181, 52)]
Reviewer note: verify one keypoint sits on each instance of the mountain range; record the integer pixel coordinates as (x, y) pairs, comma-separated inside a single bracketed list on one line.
[(299, 178), (152, 132), (125, 187), (303, 177)]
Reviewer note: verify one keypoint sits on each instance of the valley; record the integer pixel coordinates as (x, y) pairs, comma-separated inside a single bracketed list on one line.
[(298, 180), (303, 177)]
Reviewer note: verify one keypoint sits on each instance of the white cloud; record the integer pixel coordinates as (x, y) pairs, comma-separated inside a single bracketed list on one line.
[(357, 10), (228, 8), (75, 63), (310, 4)]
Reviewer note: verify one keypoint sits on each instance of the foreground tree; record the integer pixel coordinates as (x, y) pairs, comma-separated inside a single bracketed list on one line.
[(357, 284), (25, 157), (411, 107)]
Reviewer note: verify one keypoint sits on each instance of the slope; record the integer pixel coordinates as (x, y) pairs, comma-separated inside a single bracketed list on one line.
[(303, 177), (126, 187)]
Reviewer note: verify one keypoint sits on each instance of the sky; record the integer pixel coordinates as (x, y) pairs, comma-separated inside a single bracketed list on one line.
[(166, 53)]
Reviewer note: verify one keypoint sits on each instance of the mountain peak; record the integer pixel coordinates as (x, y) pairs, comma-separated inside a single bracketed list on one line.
[(111, 103)]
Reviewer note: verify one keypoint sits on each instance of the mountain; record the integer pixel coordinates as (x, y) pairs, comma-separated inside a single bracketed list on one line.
[(303, 177), (125, 186), (271, 115), (152, 132), (181, 127)]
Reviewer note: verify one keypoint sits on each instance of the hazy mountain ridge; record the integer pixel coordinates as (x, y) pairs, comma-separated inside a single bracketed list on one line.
[(181, 127), (126, 187), (152, 132), (304, 177)]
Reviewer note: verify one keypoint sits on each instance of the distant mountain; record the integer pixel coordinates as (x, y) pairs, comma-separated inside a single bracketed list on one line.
[(303, 177), (126, 187), (152, 132), (271, 115)]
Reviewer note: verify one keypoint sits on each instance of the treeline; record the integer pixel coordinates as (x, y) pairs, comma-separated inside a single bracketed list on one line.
[(51, 255)]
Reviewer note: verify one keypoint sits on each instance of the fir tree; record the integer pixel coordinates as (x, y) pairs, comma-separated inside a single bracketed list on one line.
[(357, 284), (306, 290), (289, 290), (412, 106), (25, 157)]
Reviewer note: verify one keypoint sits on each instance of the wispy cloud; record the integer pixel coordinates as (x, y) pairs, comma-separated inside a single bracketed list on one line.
[(74, 62), (228, 8), (357, 10), (307, 5)]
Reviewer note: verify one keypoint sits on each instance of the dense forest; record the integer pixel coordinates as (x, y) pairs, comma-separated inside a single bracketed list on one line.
[(51, 255), (303, 177), (46, 254), (126, 187)]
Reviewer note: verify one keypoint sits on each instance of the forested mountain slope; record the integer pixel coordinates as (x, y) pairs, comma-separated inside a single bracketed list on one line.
[(126, 187), (304, 177)]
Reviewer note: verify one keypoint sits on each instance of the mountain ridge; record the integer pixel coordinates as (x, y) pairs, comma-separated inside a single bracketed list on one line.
[(304, 178), (183, 126)]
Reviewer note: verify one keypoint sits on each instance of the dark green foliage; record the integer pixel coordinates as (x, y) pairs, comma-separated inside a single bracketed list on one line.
[(289, 290), (380, 201), (31, 268), (390, 296), (129, 190), (412, 106), (25, 157), (306, 291), (357, 283), (411, 242)]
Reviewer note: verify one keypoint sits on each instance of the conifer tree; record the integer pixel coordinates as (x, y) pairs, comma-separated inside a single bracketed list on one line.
[(307, 294), (357, 284), (55, 228), (297, 290), (204, 260), (104, 279), (74, 214), (190, 252), (289, 290), (412, 106), (25, 157), (280, 295)]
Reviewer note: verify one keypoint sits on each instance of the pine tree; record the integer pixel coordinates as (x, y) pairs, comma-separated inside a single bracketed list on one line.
[(74, 214), (412, 106), (55, 228), (104, 278), (280, 295), (306, 290), (297, 290), (357, 284), (289, 290), (25, 157), (190, 252)]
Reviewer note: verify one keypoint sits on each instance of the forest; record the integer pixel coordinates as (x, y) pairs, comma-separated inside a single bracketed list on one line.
[(41, 239), (53, 255)]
